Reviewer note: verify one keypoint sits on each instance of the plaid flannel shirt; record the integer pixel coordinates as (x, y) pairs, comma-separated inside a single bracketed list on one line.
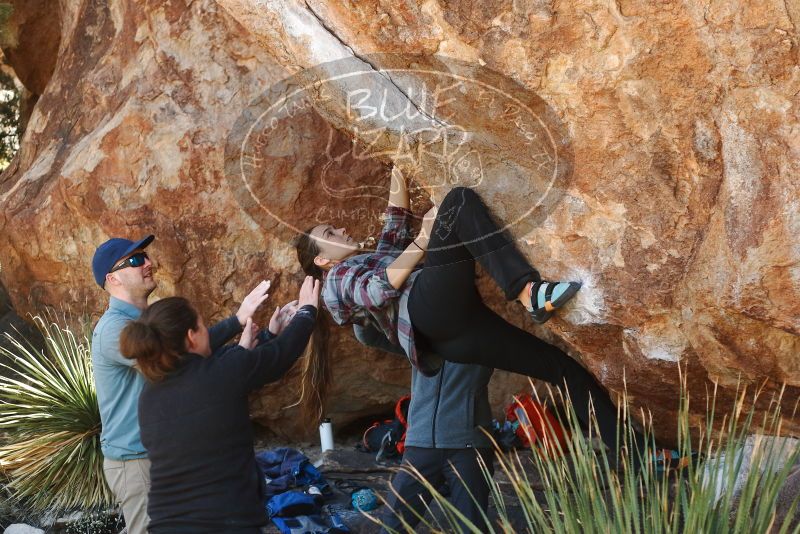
[(357, 291)]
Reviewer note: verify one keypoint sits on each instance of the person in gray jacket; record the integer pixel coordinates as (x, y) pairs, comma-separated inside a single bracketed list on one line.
[(444, 440)]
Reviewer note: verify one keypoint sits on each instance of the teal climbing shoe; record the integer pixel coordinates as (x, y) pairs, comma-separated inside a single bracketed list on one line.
[(546, 297)]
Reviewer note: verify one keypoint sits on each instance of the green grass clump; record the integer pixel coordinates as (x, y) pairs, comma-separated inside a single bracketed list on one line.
[(48, 408), (732, 487)]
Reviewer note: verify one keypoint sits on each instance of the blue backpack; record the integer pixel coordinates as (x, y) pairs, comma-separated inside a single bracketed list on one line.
[(309, 524), (291, 510), (295, 512), (286, 469)]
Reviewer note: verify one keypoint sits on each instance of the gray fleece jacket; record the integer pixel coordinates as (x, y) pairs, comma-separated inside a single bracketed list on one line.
[(448, 409)]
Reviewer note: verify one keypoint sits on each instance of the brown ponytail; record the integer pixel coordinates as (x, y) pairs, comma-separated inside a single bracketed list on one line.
[(158, 338), (316, 378)]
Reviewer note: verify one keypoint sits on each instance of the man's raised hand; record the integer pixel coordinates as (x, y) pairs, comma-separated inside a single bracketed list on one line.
[(252, 301), (249, 334)]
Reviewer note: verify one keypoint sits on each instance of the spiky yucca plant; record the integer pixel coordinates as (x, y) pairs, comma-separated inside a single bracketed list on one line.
[(733, 488), (48, 408)]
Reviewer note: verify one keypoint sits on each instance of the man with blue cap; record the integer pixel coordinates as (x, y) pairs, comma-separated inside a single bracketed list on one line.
[(123, 269)]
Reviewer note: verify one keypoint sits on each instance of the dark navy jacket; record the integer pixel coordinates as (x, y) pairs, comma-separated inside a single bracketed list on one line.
[(196, 426)]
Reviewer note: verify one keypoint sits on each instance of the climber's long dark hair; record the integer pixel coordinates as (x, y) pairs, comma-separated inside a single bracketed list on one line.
[(307, 250), (316, 377)]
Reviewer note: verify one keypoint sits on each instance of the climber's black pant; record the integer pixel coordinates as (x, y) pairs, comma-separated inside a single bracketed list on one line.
[(449, 316), (459, 468)]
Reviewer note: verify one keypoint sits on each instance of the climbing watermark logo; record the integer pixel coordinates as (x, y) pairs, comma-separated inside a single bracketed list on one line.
[(320, 146)]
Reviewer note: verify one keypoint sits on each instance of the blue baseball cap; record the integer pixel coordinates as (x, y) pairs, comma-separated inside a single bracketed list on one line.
[(109, 253)]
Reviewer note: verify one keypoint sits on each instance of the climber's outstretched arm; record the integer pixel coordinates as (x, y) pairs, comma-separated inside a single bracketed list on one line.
[(398, 190)]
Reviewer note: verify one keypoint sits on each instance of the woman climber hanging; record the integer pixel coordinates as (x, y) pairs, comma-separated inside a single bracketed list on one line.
[(432, 310)]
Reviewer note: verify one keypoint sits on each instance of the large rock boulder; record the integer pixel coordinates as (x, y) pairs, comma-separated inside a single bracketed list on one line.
[(648, 150)]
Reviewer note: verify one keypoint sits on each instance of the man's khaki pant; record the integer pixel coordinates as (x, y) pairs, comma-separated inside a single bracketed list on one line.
[(129, 481)]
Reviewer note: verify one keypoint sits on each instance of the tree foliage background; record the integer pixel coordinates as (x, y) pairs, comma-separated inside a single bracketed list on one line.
[(9, 99)]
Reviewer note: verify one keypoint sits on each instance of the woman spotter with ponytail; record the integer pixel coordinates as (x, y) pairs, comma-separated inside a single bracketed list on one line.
[(433, 311), (194, 411)]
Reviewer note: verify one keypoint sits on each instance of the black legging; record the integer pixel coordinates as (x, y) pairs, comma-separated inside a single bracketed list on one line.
[(449, 316)]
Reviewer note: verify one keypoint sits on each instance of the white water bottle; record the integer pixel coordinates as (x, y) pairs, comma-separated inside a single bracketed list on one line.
[(326, 435)]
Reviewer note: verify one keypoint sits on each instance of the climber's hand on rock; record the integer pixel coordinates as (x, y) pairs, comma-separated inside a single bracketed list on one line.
[(398, 189), (427, 227)]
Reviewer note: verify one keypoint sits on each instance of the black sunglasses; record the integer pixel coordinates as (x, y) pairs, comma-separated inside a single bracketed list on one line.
[(137, 260)]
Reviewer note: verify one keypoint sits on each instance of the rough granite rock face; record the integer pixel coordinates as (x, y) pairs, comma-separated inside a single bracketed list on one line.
[(658, 144)]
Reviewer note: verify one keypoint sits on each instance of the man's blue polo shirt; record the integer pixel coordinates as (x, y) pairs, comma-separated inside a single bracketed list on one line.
[(118, 385)]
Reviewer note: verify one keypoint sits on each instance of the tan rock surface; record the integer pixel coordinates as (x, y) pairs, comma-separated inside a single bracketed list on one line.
[(672, 141)]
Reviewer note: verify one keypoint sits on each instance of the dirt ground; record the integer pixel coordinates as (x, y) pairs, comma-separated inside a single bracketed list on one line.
[(358, 468)]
